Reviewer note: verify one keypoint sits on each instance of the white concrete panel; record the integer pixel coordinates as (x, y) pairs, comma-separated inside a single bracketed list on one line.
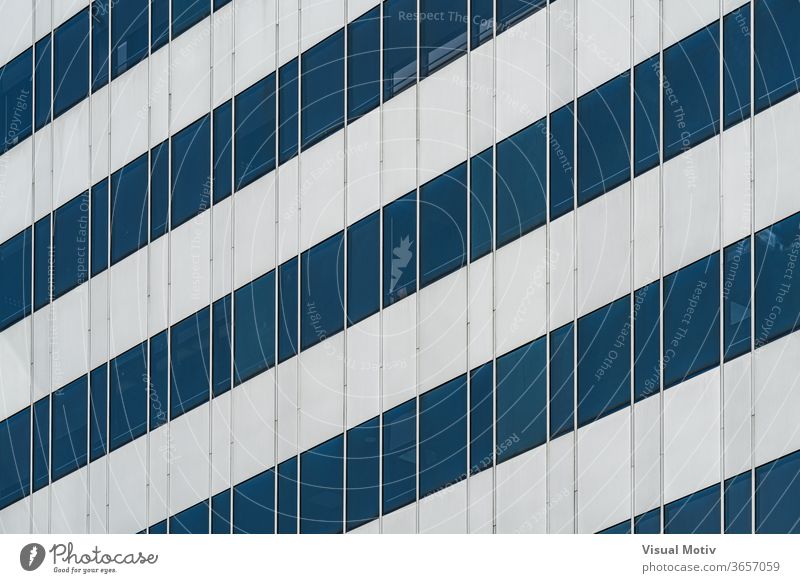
[(604, 41), (254, 235), (158, 300), (562, 270), (319, 19), (363, 370), (286, 432), (288, 30), (98, 499), (99, 134), (646, 232), (692, 435), (646, 27), (221, 252), (190, 266), (521, 273), (127, 499), (443, 120), (647, 454), (16, 180), (98, 319), (521, 75), (44, 13), (16, 28), (729, 5), (70, 337), (399, 145), (254, 23), (562, 53), (777, 394), (481, 92), (480, 311), (69, 503), (691, 205), (445, 511), (16, 519), (604, 472), (736, 412), (191, 75), (363, 166), (561, 473), (158, 475), (736, 182), (373, 527), (128, 307), (288, 198), (66, 9), (522, 494), (220, 442), (356, 8), (443, 330), (683, 17), (402, 521), (71, 154), (399, 352), (253, 420), (188, 472), (41, 352), (222, 31), (129, 107), (604, 236), (159, 96), (40, 511), (42, 173), (321, 391), (481, 512), (15, 368), (777, 147), (322, 190)]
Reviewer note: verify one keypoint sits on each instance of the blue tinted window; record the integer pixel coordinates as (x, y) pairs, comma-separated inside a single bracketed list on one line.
[(223, 151), (509, 12), (254, 505), (159, 190), (221, 513), (443, 225), (481, 411), (193, 520), (521, 399), (648, 523), (646, 87), (691, 91), (159, 380), (128, 209), (41, 262), (736, 298), (604, 128), (482, 21), (220, 3), (98, 403), (322, 291), (71, 62), (777, 301), (691, 320), (736, 54), (646, 366), (159, 23), (399, 249), (521, 174), (621, 528), (738, 507), (321, 485), (604, 361), (777, 51), (254, 327), (15, 292), (481, 197), (16, 92), (159, 528), (363, 64), (129, 35), (399, 456), (71, 245), (443, 33), (322, 89), (254, 135), (99, 227), (187, 13), (443, 436), (43, 74), (221, 329), (778, 496), (70, 431), (287, 310), (363, 473), (697, 513), (287, 114), (562, 390), (128, 406), (41, 443), (191, 181), (100, 14), (287, 497), (399, 46), (363, 268), (15, 457), (561, 162)]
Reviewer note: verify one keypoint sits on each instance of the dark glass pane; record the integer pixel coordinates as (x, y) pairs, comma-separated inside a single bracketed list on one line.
[(363, 473), (70, 245), (287, 309), (322, 88), (41, 262), (322, 291), (481, 197), (443, 225), (98, 403), (128, 407), (363, 64), (99, 227), (16, 92), (482, 21), (778, 496), (128, 209), (604, 361), (159, 23), (70, 430), (159, 190), (697, 513), (254, 134), (254, 327), (443, 33), (221, 329), (363, 268), (15, 457), (193, 520), (191, 167), (223, 151), (220, 3), (321, 488), (647, 366), (70, 62), (562, 158), (562, 389), (287, 114), (738, 506), (15, 292), (129, 35), (254, 505), (621, 528), (190, 363), (521, 181), (646, 87), (443, 436), (736, 54), (399, 46), (777, 51), (691, 320), (399, 250), (159, 380), (187, 13), (43, 74), (521, 399), (287, 497), (481, 411), (399, 456), (221, 513), (648, 523), (41, 443), (736, 298), (159, 528), (509, 12), (100, 20)]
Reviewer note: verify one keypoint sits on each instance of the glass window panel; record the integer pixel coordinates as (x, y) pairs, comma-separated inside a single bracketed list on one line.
[(129, 209), (254, 505), (159, 380), (481, 413), (187, 13), (190, 363), (71, 62), (509, 12), (98, 403), (363, 64), (363, 268), (322, 291), (221, 513), (15, 457), (41, 262), (128, 406), (363, 473), (287, 309), (322, 89), (221, 330), (777, 51), (16, 92), (738, 508), (220, 3), (100, 24), (399, 456), (254, 134), (223, 151), (647, 365), (648, 523), (443, 33), (99, 227), (287, 114), (399, 249), (15, 292), (482, 21), (287, 497), (621, 528), (159, 528), (321, 488), (443, 436), (193, 520), (191, 181), (399, 46), (736, 298), (778, 496), (71, 245), (129, 34), (561, 162), (736, 68), (481, 201), (697, 513), (562, 389), (443, 225), (254, 327), (646, 107), (159, 190), (43, 74), (70, 429), (41, 443), (159, 24)]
